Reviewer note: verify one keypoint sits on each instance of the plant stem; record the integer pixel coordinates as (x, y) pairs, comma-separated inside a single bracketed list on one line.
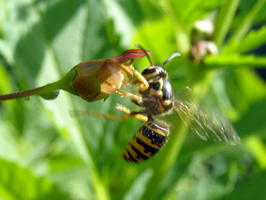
[(223, 21), (166, 160), (36, 91), (181, 36)]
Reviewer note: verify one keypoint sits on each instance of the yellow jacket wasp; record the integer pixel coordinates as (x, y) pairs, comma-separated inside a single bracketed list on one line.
[(158, 99)]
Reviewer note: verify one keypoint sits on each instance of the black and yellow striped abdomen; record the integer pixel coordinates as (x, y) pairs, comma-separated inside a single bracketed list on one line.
[(147, 141)]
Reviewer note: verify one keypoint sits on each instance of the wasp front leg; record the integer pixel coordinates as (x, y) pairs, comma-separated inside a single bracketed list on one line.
[(136, 99), (144, 85)]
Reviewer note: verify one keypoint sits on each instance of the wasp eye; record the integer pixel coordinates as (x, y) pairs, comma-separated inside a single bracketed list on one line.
[(155, 86)]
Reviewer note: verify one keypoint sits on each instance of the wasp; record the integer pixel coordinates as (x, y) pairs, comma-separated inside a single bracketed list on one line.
[(158, 99)]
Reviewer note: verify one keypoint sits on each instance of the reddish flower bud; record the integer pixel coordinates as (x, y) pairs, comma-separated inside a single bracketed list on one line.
[(97, 79)]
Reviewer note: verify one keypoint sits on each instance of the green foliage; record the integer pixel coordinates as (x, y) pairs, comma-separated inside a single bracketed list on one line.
[(253, 40), (47, 154), (19, 183), (235, 60)]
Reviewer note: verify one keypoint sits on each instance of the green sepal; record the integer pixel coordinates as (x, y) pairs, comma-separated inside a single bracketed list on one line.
[(50, 95)]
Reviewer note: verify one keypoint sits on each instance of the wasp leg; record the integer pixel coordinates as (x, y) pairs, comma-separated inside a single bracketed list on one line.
[(128, 113), (140, 79), (138, 115), (80, 113), (134, 98)]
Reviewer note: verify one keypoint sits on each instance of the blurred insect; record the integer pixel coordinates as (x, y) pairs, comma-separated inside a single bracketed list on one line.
[(158, 99)]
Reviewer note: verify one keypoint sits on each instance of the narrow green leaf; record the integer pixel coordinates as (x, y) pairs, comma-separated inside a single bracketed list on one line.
[(223, 21), (196, 10), (253, 40), (235, 60), (258, 149), (247, 22)]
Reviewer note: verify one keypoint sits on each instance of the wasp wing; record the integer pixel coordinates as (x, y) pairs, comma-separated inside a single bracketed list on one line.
[(205, 122)]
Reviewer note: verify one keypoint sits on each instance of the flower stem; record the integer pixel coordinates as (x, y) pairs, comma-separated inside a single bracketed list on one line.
[(42, 91), (166, 160), (49, 91)]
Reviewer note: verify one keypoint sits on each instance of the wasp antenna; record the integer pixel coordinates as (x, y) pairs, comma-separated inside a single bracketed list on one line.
[(170, 58), (139, 46)]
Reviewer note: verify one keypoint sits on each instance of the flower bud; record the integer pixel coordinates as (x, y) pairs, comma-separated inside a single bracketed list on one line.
[(97, 79)]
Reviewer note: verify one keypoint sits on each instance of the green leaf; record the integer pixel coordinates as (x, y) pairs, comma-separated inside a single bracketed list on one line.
[(252, 122), (258, 150), (154, 29), (247, 189), (234, 60), (134, 11), (223, 21), (253, 40), (20, 183), (238, 90), (244, 26), (194, 10)]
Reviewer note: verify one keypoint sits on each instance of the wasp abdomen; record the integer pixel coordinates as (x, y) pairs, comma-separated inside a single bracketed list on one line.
[(147, 141)]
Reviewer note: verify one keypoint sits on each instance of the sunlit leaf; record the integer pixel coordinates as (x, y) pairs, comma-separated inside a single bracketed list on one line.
[(20, 183), (253, 40), (235, 60), (195, 10)]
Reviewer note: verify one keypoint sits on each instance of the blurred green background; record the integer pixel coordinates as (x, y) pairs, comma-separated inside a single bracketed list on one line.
[(46, 154)]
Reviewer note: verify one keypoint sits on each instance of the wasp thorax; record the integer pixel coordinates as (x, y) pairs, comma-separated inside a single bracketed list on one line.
[(158, 98)]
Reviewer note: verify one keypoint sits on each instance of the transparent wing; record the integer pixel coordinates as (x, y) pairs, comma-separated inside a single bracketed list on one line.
[(205, 122)]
